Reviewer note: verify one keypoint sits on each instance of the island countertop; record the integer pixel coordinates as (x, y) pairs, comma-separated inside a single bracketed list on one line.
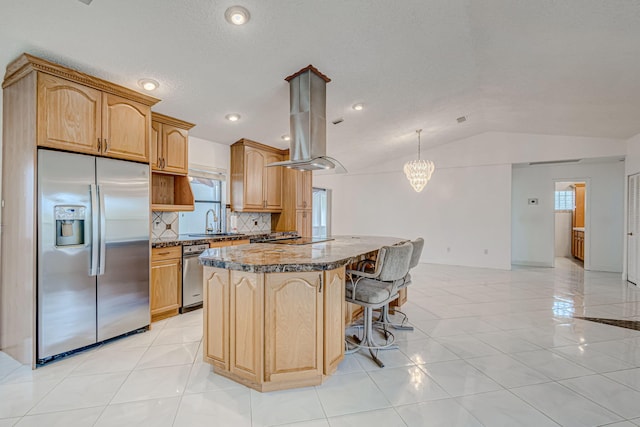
[(278, 258)]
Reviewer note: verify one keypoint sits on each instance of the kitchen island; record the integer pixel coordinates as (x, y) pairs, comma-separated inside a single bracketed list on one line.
[(274, 313)]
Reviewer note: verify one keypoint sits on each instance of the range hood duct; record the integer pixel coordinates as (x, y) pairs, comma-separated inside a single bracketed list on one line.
[(308, 123)]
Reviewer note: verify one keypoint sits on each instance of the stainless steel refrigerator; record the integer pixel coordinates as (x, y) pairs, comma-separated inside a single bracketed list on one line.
[(93, 250)]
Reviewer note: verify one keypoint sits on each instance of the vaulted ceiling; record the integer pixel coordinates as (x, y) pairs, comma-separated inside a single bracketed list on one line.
[(568, 67)]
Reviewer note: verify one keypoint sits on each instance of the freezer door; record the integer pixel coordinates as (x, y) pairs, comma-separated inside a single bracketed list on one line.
[(123, 273), (66, 290)]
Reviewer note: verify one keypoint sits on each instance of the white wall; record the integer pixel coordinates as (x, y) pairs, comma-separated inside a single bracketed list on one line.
[(454, 211), (563, 231), (467, 204), (533, 225)]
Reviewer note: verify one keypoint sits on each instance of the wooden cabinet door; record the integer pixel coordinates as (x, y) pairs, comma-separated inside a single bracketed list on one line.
[(304, 223), (69, 115), (156, 146), (273, 183), (293, 326), (126, 128), (166, 286), (254, 161), (216, 321), (579, 211), (246, 325), (175, 146), (333, 349), (304, 190)]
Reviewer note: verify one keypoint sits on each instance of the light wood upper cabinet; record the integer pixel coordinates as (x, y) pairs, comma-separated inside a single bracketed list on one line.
[(304, 223), (304, 190), (126, 127), (254, 186), (170, 144), (297, 203), (156, 145), (69, 115), (254, 178), (81, 119)]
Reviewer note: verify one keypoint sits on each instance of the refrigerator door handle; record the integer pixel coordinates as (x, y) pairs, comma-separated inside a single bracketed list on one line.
[(103, 232), (94, 230)]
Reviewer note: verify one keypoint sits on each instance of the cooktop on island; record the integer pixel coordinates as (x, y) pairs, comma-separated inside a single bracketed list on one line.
[(301, 240)]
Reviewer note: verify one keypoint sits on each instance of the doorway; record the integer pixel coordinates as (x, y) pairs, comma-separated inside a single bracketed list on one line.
[(321, 217), (570, 210), (633, 228)]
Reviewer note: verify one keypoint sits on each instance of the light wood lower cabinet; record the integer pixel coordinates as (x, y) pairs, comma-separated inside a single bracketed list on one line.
[(282, 330), (577, 244), (334, 320), (216, 318), (293, 326), (166, 282)]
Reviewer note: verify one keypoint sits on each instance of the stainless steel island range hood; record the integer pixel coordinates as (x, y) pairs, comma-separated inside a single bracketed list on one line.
[(308, 106)]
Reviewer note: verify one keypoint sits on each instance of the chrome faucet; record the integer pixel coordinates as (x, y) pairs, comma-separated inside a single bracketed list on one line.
[(207, 224)]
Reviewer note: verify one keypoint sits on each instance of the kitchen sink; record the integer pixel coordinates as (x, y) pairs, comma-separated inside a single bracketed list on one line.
[(212, 234)]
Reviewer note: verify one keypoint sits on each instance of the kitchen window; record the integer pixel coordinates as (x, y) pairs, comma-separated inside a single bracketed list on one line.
[(208, 195)]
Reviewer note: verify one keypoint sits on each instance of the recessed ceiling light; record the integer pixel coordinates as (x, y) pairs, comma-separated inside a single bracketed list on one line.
[(237, 15), (286, 137), (358, 107), (233, 117), (148, 84)]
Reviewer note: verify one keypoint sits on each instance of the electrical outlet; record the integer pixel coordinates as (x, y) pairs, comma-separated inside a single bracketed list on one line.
[(168, 227)]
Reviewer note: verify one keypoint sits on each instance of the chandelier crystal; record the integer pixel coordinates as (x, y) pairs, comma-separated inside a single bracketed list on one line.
[(419, 171)]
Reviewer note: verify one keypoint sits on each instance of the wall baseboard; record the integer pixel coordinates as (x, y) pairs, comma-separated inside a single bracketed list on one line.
[(532, 264)]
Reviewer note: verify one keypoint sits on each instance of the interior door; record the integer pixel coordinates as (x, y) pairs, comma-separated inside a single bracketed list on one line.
[(633, 228)]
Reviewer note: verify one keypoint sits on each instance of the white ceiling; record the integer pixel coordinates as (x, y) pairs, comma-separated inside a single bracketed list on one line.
[(569, 67)]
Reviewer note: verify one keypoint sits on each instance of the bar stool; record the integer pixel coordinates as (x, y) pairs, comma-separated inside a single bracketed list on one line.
[(418, 245), (375, 290)]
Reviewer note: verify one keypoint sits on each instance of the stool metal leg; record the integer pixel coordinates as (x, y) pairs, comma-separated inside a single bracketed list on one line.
[(386, 321)]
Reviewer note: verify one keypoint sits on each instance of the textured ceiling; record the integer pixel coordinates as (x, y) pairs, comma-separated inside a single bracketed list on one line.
[(568, 67)]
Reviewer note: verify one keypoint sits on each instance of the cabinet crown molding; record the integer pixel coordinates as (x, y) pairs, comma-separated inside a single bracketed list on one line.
[(167, 120), (258, 145), (27, 63)]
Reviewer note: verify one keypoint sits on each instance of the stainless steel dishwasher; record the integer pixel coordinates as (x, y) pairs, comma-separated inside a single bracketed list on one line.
[(192, 277)]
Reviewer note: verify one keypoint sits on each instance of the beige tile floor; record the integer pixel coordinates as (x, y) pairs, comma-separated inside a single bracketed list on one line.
[(491, 348)]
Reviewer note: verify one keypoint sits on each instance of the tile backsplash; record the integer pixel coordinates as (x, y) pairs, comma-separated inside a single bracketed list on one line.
[(164, 225), (247, 222)]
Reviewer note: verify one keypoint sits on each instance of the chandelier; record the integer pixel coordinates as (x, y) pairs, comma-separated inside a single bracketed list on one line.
[(419, 171)]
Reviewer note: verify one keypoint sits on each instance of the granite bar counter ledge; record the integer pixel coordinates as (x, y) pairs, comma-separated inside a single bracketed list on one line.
[(274, 313)]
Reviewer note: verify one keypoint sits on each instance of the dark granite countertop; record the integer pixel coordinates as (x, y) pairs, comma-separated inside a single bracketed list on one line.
[(271, 258), (185, 239)]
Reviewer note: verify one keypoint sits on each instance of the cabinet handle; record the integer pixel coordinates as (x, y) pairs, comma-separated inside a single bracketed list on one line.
[(164, 253), (320, 279), (304, 204), (106, 145), (630, 234), (99, 144)]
